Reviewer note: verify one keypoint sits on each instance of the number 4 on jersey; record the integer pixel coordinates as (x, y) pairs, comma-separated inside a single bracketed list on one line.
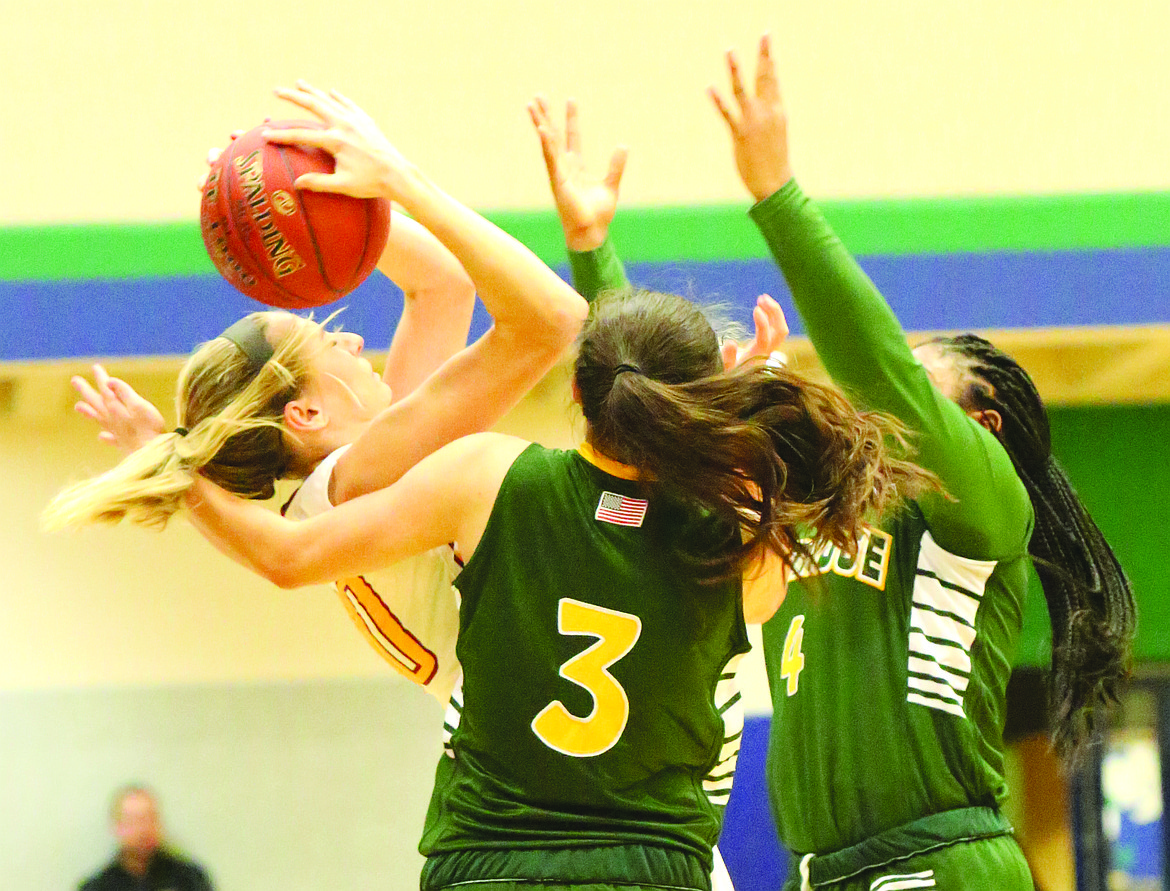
[(792, 661)]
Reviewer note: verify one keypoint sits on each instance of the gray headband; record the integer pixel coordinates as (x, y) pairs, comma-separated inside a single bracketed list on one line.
[(248, 335)]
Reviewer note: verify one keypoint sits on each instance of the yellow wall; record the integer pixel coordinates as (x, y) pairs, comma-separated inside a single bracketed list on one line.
[(109, 106)]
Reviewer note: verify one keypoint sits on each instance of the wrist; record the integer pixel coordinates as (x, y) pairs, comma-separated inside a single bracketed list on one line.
[(583, 240), (765, 187), (402, 183)]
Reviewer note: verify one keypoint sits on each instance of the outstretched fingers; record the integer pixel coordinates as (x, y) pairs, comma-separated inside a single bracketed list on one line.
[(617, 166), (771, 330), (550, 143), (538, 110), (723, 108), (729, 354), (322, 139), (303, 99), (332, 107), (90, 400), (777, 322), (348, 104), (767, 84), (101, 402), (737, 88), (758, 125), (572, 128)]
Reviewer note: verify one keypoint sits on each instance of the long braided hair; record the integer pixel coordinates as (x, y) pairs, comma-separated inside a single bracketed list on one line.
[(1090, 602)]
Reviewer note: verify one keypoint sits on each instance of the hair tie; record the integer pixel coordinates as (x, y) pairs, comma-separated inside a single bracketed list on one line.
[(618, 369), (182, 431), (248, 335)]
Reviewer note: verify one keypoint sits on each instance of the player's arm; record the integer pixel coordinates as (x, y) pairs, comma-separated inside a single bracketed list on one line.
[(438, 299), (765, 585), (536, 315), (860, 341), (585, 204), (446, 497)]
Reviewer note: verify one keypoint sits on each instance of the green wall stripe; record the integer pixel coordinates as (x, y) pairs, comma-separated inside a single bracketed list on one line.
[(122, 250), (660, 234)]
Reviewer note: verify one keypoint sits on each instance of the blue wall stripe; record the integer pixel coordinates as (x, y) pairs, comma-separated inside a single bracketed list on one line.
[(160, 316), (963, 291), (749, 845)]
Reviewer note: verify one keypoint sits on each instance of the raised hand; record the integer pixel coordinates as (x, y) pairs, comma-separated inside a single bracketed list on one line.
[(366, 165), (758, 125), (585, 204), (127, 420), (771, 331)]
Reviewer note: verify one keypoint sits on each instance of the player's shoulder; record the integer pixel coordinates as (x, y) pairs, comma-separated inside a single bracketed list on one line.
[(97, 882), (486, 451), (191, 872), (312, 495)]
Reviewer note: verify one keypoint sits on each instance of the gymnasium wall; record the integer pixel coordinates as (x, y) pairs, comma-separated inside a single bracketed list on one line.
[(997, 166)]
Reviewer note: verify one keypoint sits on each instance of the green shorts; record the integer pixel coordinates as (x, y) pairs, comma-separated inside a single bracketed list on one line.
[(529, 886), (968, 850)]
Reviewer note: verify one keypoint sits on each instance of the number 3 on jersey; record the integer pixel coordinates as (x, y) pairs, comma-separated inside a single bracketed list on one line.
[(792, 660), (616, 634)]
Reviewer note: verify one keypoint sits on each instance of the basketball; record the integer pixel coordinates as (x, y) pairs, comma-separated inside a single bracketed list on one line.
[(282, 246)]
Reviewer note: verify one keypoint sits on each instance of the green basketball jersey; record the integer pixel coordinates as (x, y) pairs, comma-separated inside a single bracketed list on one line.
[(887, 677), (888, 673), (594, 734)]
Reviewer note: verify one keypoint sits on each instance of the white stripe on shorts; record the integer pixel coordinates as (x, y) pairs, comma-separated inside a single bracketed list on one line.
[(894, 882)]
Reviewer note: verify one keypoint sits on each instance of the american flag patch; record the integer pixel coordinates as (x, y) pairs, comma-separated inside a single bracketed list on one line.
[(621, 510)]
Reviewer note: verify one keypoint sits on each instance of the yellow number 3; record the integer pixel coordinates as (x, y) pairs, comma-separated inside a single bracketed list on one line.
[(792, 662), (597, 732)]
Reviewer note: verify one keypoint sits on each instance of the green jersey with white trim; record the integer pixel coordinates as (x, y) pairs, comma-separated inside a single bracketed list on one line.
[(597, 718), (888, 670)]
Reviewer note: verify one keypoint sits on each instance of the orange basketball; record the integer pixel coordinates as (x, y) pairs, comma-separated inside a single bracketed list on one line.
[(281, 246)]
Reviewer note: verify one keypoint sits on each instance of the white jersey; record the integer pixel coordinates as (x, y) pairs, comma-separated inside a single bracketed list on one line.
[(408, 612)]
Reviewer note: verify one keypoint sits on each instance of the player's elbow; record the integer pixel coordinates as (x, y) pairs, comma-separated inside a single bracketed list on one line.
[(286, 567), (274, 572), (563, 322), (282, 578), (575, 312)]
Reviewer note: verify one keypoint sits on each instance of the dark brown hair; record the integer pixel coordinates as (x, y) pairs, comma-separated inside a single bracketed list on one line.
[(789, 464)]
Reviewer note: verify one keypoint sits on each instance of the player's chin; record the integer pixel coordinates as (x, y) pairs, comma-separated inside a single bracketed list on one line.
[(382, 398)]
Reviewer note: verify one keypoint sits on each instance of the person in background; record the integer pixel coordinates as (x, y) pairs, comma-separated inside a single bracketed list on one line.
[(143, 862)]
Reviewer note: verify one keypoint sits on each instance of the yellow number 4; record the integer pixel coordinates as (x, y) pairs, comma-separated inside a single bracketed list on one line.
[(597, 732), (792, 662)]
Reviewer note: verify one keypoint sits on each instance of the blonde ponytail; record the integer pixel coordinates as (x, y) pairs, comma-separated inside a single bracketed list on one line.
[(233, 414)]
